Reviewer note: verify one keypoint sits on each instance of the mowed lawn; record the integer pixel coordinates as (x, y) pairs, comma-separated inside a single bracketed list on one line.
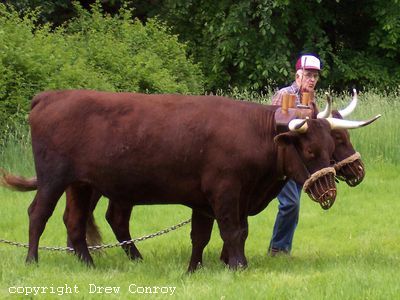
[(351, 251)]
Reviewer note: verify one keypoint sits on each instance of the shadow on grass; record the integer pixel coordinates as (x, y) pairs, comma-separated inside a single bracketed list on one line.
[(165, 260)]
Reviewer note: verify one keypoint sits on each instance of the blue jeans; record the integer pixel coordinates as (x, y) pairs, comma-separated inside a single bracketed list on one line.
[(287, 217)]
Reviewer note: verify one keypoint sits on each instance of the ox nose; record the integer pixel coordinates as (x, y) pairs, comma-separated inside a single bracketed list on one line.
[(328, 199), (332, 195)]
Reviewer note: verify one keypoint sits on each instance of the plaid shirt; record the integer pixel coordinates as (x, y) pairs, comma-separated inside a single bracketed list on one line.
[(292, 89)]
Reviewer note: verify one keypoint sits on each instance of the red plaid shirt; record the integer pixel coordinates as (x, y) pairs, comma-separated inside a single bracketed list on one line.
[(292, 89)]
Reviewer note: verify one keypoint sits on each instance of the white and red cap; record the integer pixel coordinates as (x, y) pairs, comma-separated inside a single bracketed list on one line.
[(308, 62)]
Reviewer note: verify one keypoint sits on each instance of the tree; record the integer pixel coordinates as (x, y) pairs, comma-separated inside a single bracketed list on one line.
[(251, 44)]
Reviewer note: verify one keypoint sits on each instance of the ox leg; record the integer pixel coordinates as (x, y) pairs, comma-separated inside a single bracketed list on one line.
[(92, 232), (39, 212), (78, 212), (68, 199), (118, 215), (231, 222), (234, 238), (224, 253), (201, 232)]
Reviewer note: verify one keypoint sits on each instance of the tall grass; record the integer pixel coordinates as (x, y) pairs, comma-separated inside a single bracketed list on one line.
[(379, 141), (16, 150)]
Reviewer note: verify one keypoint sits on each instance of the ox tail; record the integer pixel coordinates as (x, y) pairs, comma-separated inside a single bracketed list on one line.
[(93, 236), (18, 183)]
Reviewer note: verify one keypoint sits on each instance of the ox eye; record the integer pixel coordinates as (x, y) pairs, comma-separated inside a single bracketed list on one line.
[(338, 138), (310, 153)]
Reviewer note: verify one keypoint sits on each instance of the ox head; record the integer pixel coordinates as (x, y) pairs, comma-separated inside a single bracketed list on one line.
[(308, 150), (347, 162), (305, 154)]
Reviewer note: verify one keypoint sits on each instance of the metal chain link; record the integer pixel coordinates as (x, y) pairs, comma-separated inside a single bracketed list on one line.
[(105, 246)]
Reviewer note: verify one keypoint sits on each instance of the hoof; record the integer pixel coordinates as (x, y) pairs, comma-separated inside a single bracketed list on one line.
[(194, 267), (30, 260), (89, 264), (135, 256), (237, 265), (85, 259)]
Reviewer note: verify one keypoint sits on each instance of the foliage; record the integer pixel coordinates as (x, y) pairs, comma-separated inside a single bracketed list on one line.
[(57, 12), (93, 50), (255, 43)]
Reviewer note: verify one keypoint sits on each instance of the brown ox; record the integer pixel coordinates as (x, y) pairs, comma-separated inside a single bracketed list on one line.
[(348, 166), (212, 154)]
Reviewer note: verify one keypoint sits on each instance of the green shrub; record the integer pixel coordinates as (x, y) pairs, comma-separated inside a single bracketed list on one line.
[(92, 51)]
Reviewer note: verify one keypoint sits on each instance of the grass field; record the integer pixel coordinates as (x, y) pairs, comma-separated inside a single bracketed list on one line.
[(351, 251)]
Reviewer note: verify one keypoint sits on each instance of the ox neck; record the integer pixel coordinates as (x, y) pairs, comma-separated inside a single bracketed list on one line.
[(281, 163)]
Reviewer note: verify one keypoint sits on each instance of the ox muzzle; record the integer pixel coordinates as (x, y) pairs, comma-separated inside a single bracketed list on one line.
[(351, 170), (321, 187)]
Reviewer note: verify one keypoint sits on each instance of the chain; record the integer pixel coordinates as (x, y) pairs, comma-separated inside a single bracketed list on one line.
[(105, 246)]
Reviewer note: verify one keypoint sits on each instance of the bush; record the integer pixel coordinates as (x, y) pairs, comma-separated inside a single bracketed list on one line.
[(92, 51)]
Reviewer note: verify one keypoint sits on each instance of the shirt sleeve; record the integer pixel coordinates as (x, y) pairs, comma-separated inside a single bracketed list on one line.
[(277, 98)]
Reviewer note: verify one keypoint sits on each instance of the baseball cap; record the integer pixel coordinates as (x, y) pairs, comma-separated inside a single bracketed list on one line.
[(308, 62)]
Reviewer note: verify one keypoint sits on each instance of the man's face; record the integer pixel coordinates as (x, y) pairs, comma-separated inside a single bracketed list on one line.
[(307, 80)]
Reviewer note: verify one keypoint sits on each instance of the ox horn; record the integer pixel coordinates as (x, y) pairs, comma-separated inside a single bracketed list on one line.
[(327, 112), (347, 124), (299, 125), (350, 108)]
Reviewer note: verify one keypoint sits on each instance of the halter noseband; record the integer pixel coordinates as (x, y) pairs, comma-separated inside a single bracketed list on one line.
[(347, 160)]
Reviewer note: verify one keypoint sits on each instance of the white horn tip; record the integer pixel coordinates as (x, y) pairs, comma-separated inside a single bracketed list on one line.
[(372, 120)]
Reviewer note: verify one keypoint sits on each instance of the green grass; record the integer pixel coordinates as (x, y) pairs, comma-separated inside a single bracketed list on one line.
[(379, 141), (351, 251)]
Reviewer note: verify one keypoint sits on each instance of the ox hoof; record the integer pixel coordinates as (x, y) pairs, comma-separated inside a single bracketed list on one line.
[(89, 264), (193, 267), (135, 256), (237, 265), (86, 260), (30, 260)]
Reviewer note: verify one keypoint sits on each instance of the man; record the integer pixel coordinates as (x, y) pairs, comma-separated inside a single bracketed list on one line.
[(307, 75)]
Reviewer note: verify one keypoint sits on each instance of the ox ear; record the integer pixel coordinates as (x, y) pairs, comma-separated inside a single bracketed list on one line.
[(285, 139)]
